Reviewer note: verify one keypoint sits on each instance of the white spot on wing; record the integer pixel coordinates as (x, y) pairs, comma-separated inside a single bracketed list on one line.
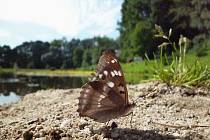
[(110, 84), (115, 72), (105, 73), (99, 105), (119, 73), (102, 96), (113, 61), (112, 73)]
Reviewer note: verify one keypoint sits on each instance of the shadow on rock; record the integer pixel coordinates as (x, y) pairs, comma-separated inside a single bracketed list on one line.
[(134, 134)]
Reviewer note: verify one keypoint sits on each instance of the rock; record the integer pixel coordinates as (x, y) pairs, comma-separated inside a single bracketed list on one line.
[(33, 121), (115, 135), (86, 130), (82, 126), (65, 123), (66, 138), (39, 127), (113, 125), (27, 135), (42, 138)]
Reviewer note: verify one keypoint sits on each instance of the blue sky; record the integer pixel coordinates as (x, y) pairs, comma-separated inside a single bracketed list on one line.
[(30, 20)]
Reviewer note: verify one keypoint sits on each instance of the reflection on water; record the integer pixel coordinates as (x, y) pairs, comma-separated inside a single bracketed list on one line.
[(11, 97), (11, 89)]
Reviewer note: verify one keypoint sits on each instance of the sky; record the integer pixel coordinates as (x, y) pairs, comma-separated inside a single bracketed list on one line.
[(30, 20)]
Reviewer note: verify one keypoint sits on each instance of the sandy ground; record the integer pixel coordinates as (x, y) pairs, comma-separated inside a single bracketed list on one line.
[(162, 113)]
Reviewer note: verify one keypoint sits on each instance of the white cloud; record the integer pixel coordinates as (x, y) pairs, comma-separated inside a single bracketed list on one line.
[(73, 18)]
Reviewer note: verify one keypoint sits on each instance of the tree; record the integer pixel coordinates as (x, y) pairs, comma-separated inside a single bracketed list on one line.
[(137, 28), (38, 48), (87, 59), (77, 57), (6, 56), (190, 18)]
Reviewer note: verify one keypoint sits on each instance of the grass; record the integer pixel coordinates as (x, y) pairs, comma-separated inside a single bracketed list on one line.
[(136, 72), (4, 73), (180, 69)]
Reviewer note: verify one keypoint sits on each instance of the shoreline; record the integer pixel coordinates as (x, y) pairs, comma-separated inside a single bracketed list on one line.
[(51, 114)]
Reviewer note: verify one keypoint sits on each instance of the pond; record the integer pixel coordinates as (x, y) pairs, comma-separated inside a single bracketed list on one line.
[(11, 89)]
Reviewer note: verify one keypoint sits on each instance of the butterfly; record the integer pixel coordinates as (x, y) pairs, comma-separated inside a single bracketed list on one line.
[(105, 96)]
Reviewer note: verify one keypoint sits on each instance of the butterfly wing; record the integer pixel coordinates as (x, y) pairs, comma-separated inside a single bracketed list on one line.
[(110, 71), (105, 96), (99, 102)]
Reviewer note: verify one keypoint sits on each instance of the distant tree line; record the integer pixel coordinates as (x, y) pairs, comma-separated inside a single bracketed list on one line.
[(59, 53)]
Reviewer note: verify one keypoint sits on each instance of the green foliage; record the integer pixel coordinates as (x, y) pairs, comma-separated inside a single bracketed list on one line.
[(136, 72), (6, 56), (5, 73), (86, 59), (77, 57), (190, 18), (136, 28), (127, 54), (203, 49), (179, 71)]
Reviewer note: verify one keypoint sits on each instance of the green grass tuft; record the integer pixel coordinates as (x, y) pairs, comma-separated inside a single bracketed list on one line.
[(180, 69)]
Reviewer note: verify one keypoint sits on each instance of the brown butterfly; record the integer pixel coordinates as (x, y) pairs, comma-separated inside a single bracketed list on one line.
[(105, 97)]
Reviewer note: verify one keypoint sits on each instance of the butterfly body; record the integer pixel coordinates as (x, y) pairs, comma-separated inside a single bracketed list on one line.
[(105, 97)]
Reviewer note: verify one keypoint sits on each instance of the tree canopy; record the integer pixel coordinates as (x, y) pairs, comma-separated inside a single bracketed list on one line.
[(190, 18)]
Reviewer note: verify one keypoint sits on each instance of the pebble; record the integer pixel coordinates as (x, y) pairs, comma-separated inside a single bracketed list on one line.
[(65, 123), (27, 135)]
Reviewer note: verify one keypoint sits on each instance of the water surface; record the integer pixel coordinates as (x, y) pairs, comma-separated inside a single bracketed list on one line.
[(11, 89)]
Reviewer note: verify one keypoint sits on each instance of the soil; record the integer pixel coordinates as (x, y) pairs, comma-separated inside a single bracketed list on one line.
[(162, 113)]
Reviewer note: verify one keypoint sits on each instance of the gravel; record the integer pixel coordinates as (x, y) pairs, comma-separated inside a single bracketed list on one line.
[(161, 113)]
